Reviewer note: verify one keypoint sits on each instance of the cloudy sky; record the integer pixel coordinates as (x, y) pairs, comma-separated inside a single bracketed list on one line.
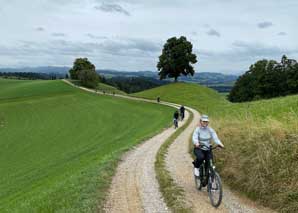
[(227, 35)]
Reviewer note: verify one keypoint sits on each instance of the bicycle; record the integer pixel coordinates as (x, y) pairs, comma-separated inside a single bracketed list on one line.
[(210, 178)]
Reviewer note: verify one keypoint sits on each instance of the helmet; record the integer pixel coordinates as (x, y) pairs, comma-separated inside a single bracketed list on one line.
[(204, 118)]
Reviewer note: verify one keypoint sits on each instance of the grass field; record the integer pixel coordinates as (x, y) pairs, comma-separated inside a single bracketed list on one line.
[(103, 88), (261, 154), (60, 145)]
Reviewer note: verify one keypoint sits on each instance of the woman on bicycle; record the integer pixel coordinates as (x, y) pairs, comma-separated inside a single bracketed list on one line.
[(201, 138)]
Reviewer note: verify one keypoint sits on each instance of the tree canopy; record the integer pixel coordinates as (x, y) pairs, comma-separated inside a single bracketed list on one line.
[(176, 58), (78, 65), (84, 71), (266, 79)]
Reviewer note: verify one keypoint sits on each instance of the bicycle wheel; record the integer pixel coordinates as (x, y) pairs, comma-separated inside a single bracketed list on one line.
[(215, 189)]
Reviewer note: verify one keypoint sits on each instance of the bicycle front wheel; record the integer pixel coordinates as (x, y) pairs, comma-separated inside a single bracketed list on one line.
[(215, 189)]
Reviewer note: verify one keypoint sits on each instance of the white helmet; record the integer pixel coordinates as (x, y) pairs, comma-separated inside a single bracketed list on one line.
[(204, 118)]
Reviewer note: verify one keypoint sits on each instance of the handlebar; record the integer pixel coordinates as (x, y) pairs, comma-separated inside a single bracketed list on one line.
[(211, 147)]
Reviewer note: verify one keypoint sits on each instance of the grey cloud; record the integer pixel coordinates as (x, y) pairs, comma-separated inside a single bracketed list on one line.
[(90, 35), (213, 32), (120, 47), (241, 55), (265, 24), (282, 33), (127, 53), (40, 29), (58, 34), (112, 8)]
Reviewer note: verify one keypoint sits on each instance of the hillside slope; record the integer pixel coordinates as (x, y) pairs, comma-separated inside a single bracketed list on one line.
[(260, 139), (59, 145)]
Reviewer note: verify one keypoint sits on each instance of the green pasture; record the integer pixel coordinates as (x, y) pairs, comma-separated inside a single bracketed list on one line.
[(60, 145)]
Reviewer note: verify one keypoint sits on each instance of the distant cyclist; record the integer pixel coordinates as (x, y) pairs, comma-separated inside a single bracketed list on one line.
[(182, 111), (201, 138), (176, 116)]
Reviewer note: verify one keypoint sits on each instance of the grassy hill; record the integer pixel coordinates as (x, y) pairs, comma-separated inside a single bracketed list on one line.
[(60, 145), (109, 89), (261, 152)]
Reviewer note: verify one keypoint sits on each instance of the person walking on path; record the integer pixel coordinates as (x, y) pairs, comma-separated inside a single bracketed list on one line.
[(182, 111), (176, 116)]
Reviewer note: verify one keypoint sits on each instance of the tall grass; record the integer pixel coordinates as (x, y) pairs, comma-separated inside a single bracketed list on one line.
[(261, 139)]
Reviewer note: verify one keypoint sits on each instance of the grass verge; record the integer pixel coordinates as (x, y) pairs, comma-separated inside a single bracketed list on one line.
[(172, 193)]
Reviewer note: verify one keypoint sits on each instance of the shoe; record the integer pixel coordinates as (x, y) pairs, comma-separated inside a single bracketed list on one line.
[(197, 172)]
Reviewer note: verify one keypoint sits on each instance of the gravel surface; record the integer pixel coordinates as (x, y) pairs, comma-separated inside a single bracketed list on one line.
[(135, 188), (179, 163)]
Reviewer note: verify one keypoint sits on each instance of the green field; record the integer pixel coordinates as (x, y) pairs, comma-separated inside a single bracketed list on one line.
[(101, 87), (59, 145), (261, 155)]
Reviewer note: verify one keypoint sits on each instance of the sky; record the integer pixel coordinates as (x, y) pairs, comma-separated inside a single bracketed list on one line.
[(128, 35)]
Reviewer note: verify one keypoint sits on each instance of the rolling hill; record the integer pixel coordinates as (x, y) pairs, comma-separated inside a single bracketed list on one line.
[(60, 145), (260, 139)]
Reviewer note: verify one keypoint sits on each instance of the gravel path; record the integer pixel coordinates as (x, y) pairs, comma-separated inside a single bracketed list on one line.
[(135, 188), (181, 169)]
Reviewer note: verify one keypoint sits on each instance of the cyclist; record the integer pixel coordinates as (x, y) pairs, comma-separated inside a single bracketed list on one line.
[(176, 116), (182, 110), (201, 138)]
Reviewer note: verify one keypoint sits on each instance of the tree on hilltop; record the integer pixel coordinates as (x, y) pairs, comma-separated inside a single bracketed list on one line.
[(78, 65), (84, 71), (176, 59)]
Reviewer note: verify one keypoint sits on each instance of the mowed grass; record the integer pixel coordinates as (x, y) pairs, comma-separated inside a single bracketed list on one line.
[(60, 145), (101, 87), (261, 139)]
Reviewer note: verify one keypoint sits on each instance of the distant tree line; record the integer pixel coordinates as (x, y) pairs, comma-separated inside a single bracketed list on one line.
[(133, 84), (30, 75), (266, 79)]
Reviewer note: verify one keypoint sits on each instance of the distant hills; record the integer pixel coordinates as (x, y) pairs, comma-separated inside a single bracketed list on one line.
[(218, 81)]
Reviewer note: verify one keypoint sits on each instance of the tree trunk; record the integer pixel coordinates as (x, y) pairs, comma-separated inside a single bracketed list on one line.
[(176, 78)]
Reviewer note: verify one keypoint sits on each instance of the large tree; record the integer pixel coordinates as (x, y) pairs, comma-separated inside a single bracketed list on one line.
[(78, 65), (176, 59), (84, 71)]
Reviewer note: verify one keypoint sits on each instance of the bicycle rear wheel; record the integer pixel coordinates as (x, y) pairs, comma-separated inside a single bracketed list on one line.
[(215, 189)]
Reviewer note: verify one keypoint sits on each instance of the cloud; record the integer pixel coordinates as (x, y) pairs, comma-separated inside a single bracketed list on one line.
[(112, 8), (213, 32), (90, 35), (58, 34), (40, 29), (265, 24), (282, 34), (132, 48), (241, 55)]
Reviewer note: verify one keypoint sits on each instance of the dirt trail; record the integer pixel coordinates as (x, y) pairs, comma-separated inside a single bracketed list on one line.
[(135, 188), (181, 169)]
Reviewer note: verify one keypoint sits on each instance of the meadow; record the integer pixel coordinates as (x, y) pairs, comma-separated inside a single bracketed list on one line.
[(261, 139), (60, 145)]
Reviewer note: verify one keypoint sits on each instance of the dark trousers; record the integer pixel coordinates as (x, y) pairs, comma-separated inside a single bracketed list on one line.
[(201, 156)]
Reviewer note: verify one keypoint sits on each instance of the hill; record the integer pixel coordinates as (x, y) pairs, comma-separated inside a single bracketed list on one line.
[(260, 139), (59, 145)]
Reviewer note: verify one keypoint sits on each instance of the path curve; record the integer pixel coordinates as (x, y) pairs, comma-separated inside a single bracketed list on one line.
[(135, 188)]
